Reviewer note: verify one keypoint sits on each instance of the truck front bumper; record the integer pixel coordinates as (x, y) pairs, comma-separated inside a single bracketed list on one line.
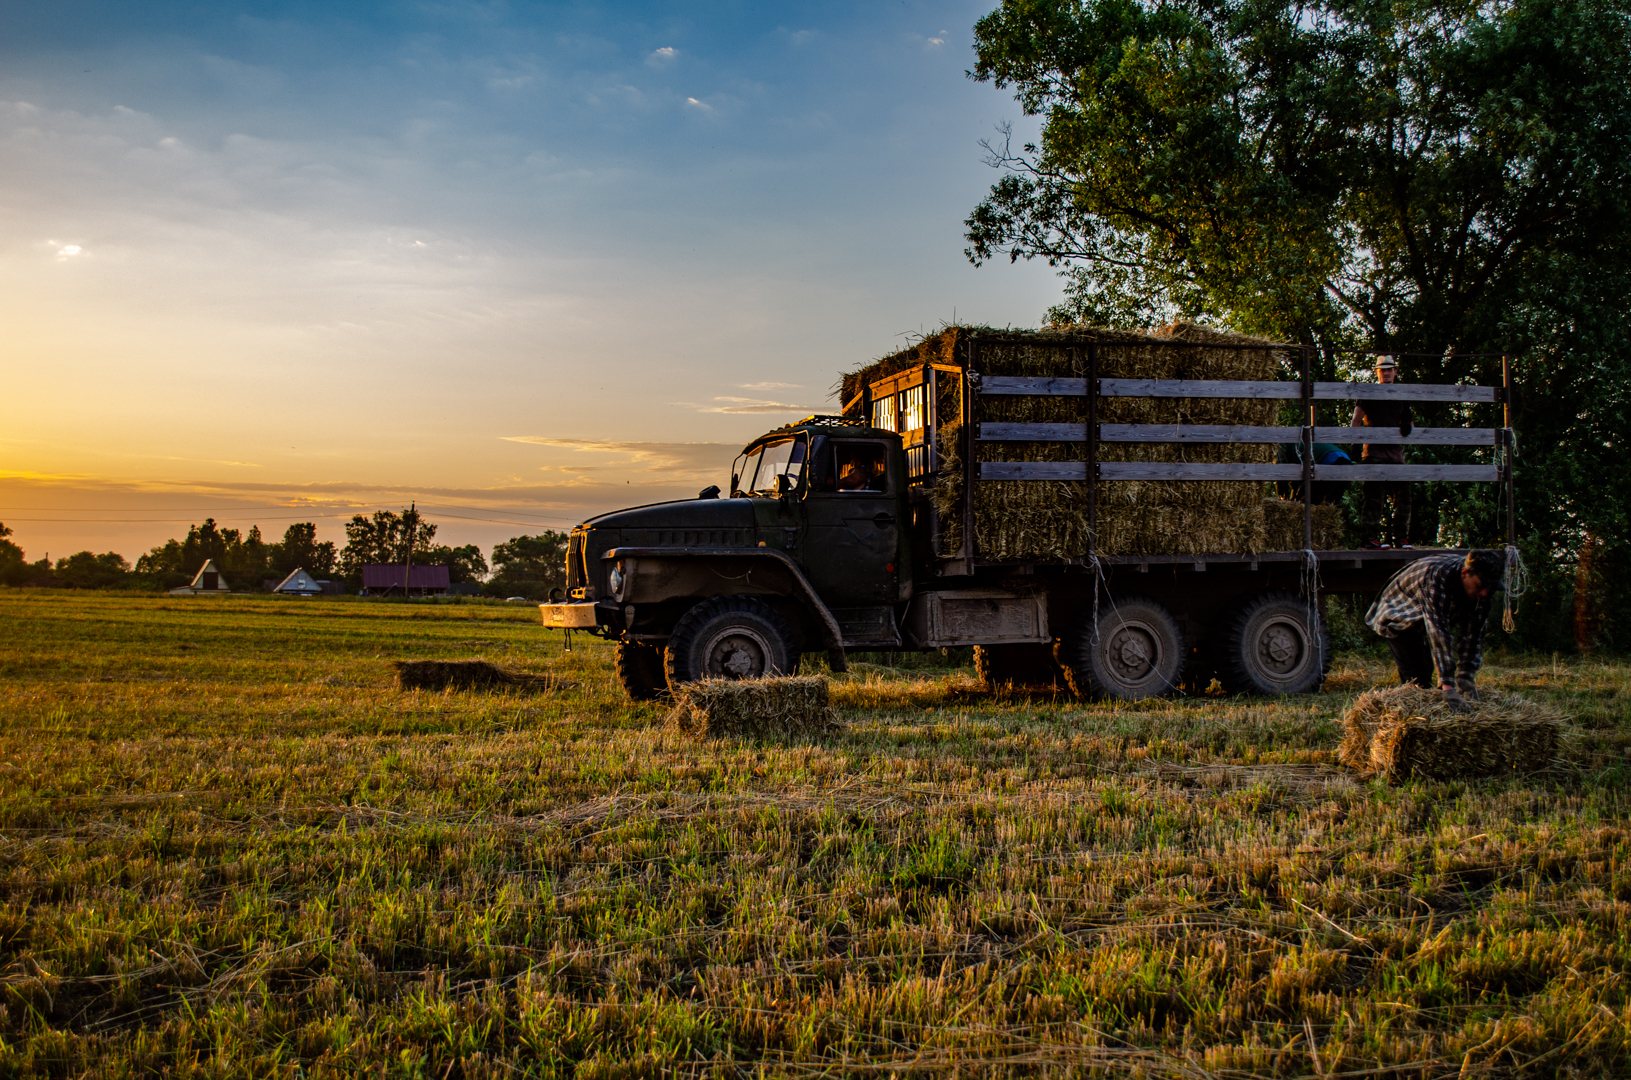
[(575, 616)]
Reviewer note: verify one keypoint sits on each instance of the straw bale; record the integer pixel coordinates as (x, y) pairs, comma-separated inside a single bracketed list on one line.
[(1283, 526), (751, 708), (1048, 519), (1410, 731), (468, 675)]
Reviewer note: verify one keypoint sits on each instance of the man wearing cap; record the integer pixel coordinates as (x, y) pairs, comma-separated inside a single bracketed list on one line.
[(1433, 615), (1378, 493)]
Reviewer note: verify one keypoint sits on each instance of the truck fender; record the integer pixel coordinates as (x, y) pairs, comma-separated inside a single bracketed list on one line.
[(651, 574)]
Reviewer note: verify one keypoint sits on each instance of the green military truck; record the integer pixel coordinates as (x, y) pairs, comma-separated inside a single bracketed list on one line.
[(859, 531)]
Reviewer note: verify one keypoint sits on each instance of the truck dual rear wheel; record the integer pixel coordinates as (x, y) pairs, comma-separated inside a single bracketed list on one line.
[(729, 637), (1019, 665), (1139, 652), (641, 670), (1269, 648)]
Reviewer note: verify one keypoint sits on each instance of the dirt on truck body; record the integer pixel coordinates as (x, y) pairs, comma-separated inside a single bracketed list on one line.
[(1087, 507)]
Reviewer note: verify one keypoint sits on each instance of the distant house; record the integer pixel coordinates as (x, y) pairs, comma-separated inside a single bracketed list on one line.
[(207, 582), (299, 583), (424, 581)]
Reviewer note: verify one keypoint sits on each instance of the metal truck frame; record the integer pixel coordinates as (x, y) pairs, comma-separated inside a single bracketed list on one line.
[(794, 560)]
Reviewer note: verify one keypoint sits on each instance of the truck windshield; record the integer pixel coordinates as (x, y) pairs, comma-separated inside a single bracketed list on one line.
[(763, 464)]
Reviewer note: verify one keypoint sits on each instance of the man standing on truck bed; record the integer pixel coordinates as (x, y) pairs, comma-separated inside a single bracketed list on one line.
[(1378, 493), (1422, 608)]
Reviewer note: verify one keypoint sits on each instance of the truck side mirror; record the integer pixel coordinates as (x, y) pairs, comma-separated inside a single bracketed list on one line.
[(709, 492), (784, 484), (736, 480)]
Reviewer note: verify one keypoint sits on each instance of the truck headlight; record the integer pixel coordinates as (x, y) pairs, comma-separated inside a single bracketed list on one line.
[(615, 579)]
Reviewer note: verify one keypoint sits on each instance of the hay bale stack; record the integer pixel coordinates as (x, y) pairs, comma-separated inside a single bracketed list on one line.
[(468, 675), (1408, 731), (751, 708), (1048, 519), (1283, 526)]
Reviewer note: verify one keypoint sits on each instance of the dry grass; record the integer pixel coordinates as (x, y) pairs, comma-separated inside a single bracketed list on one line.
[(229, 847), (1408, 731)]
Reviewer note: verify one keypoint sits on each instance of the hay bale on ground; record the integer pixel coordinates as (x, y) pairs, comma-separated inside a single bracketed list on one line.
[(468, 675), (1409, 731), (751, 708)]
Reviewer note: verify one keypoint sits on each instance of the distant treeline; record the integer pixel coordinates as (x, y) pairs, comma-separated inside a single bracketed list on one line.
[(522, 566)]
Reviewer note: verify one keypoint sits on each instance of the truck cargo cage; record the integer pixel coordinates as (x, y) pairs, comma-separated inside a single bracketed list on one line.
[(908, 402)]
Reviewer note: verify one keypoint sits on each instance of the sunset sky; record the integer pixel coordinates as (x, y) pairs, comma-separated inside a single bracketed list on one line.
[(520, 262)]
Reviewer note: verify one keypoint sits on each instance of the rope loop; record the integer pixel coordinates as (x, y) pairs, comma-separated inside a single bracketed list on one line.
[(1516, 583)]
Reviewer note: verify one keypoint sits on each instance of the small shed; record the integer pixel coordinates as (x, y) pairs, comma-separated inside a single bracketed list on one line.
[(207, 582), (299, 583), (422, 580)]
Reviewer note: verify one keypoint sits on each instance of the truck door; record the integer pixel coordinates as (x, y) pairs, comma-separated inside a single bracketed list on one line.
[(852, 547)]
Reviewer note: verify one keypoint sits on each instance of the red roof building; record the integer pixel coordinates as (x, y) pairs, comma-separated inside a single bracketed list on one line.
[(422, 580)]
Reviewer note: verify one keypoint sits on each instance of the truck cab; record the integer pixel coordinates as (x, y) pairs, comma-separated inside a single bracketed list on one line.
[(809, 549)]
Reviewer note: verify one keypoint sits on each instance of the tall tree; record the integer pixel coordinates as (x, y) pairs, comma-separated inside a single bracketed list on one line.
[(1442, 177), (301, 550), (529, 565), (383, 539)]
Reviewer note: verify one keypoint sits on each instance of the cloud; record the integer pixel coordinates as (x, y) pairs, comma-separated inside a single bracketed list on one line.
[(700, 106), (676, 460), (662, 57), (936, 41), (740, 406), (68, 251), (770, 385)]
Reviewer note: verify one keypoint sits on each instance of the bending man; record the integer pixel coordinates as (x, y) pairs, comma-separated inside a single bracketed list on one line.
[(1433, 614)]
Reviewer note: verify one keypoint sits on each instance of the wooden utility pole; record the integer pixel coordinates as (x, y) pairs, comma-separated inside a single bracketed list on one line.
[(412, 517)]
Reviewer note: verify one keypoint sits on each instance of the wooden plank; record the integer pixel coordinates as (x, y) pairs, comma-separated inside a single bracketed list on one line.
[(1197, 433), (1177, 470), (1040, 386), (1199, 388), (1469, 473), (1424, 436), (1072, 433), (1347, 391), (1032, 470)]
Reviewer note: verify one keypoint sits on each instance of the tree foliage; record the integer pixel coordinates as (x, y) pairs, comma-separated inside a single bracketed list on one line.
[(1440, 178), (529, 566)]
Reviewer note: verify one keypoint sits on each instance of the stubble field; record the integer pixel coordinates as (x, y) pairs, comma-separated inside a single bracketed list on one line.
[(230, 847)]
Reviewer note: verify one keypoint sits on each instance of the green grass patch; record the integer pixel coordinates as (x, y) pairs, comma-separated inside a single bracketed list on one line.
[(230, 846)]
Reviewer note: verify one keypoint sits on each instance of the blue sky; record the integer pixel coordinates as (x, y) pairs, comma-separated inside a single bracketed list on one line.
[(528, 260)]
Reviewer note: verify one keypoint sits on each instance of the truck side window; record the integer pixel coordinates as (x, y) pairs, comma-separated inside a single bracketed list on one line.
[(860, 466)]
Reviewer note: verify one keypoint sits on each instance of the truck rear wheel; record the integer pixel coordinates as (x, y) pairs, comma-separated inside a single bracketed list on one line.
[(1139, 653), (1020, 665), (1269, 648), (729, 637), (641, 670)]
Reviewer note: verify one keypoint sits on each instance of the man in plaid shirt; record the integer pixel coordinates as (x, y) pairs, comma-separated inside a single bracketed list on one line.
[(1423, 608)]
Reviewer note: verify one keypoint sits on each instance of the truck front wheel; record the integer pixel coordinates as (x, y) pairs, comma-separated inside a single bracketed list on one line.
[(641, 670), (1270, 648), (1139, 652), (729, 637)]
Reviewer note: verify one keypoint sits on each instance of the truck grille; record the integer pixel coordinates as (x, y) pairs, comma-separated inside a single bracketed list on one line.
[(575, 575)]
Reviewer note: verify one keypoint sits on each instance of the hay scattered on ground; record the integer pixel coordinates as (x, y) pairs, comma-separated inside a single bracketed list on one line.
[(469, 675), (752, 708), (1408, 731)]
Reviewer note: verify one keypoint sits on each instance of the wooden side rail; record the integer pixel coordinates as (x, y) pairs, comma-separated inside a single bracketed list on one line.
[(1061, 386), (1159, 470), (1233, 433)]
